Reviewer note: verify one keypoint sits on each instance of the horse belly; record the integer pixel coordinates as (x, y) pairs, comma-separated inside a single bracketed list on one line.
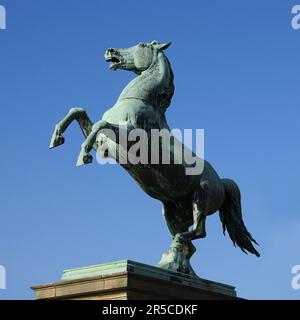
[(161, 182)]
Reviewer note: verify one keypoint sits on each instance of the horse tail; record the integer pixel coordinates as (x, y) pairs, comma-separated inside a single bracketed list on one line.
[(232, 220)]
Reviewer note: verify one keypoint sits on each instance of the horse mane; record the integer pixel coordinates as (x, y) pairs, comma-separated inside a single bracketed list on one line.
[(168, 91)]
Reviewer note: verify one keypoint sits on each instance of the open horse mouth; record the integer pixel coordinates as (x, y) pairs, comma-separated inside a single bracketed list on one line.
[(113, 59)]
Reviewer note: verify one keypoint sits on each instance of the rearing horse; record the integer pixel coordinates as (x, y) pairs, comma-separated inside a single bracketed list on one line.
[(187, 199)]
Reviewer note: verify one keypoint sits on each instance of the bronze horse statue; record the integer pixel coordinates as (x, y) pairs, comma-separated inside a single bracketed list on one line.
[(187, 199)]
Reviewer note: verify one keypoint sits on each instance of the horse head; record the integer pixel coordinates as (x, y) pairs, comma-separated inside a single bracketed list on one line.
[(146, 60), (137, 58)]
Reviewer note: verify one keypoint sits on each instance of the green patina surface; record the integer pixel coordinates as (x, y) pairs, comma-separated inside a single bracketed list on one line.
[(187, 199)]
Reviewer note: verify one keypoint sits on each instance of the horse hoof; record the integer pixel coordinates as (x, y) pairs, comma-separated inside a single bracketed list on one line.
[(86, 159), (56, 141)]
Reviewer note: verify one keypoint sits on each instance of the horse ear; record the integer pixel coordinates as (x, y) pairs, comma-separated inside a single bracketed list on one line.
[(164, 46)]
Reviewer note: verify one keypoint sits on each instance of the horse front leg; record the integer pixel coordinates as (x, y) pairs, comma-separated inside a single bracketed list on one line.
[(111, 131), (84, 156), (77, 114)]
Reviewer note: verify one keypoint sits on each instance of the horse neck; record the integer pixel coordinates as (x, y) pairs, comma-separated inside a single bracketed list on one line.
[(151, 83)]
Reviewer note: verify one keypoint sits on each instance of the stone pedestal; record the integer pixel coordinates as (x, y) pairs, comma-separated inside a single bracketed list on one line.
[(130, 280)]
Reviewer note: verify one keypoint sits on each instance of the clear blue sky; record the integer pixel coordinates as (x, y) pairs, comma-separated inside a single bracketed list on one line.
[(236, 66)]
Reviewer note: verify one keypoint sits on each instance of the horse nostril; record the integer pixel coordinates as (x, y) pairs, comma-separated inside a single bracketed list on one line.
[(111, 50)]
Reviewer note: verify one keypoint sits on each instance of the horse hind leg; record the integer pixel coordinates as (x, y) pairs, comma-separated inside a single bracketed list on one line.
[(177, 258), (77, 114), (174, 226), (199, 218), (169, 211), (199, 229)]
